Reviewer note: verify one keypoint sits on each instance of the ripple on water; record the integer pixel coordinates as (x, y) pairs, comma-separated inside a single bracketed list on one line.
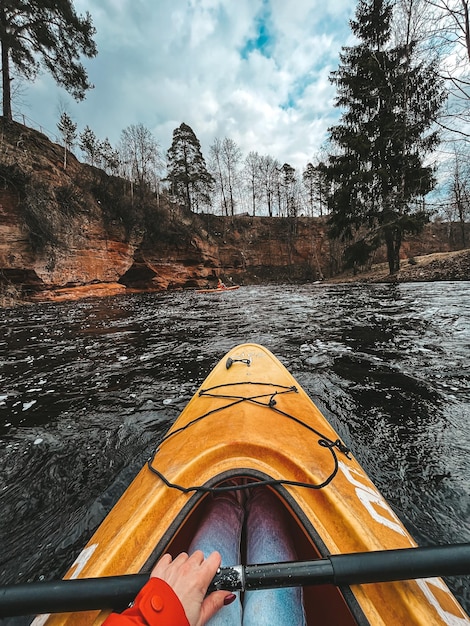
[(87, 389)]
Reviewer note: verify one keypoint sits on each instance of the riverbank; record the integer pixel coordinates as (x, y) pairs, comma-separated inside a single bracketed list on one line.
[(426, 268)]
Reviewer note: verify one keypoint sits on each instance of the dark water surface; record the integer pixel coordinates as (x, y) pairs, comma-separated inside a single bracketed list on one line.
[(87, 390)]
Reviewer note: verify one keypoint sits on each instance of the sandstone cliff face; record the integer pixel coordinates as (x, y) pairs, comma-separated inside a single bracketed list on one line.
[(53, 234), (76, 231), (87, 253), (16, 256), (241, 249), (56, 233)]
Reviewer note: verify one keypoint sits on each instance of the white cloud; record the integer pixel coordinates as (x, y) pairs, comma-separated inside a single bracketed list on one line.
[(252, 70)]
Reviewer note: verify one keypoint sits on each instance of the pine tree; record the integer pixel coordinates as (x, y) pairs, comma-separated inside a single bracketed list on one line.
[(89, 145), (68, 130), (49, 34), (378, 173), (289, 184), (190, 181), (109, 157)]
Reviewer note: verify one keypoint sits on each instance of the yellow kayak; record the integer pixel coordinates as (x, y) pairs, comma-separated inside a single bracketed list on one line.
[(251, 419)]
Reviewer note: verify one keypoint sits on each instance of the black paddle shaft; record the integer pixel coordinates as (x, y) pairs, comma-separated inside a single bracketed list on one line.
[(116, 592), (66, 596), (349, 569)]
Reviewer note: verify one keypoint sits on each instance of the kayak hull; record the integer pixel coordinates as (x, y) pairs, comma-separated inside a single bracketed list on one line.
[(251, 419)]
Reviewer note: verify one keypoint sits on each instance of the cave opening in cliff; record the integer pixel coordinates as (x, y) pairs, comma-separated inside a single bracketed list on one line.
[(25, 279), (138, 276)]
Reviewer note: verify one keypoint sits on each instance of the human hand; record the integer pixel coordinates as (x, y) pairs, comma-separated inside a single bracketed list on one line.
[(189, 577)]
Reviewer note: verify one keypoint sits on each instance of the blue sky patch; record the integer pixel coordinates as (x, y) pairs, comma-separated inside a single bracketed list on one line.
[(296, 92), (263, 37)]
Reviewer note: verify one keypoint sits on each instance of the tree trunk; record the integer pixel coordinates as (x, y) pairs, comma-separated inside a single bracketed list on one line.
[(6, 83), (467, 26), (462, 222), (393, 241), (270, 208), (188, 197), (232, 202), (216, 149), (187, 179)]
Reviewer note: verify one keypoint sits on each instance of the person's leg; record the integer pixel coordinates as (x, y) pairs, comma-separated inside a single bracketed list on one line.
[(221, 530), (268, 541)]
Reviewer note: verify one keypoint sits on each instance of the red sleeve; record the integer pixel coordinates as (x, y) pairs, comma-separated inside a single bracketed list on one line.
[(155, 605)]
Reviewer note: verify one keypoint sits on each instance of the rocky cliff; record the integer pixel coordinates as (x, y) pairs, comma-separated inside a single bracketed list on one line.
[(53, 229), (74, 227), (68, 230)]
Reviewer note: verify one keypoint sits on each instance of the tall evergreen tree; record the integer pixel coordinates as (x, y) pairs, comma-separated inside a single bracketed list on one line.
[(35, 33), (110, 158), (68, 130), (89, 145), (189, 178), (289, 184), (377, 174)]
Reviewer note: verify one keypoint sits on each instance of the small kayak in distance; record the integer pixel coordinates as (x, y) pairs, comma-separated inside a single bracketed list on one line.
[(250, 420), (218, 289)]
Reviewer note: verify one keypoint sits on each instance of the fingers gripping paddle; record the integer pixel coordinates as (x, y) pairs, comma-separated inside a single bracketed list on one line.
[(343, 569)]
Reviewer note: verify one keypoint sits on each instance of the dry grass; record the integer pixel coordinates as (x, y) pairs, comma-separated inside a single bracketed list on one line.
[(424, 268)]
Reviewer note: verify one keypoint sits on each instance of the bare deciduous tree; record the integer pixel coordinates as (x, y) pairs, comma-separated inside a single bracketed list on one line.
[(141, 156), (251, 174), (268, 169), (225, 162)]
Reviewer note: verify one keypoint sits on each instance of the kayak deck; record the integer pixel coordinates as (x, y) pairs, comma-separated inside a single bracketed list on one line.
[(251, 419)]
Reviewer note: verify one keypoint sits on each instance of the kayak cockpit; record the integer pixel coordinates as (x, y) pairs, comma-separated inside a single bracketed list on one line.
[(326, 604)]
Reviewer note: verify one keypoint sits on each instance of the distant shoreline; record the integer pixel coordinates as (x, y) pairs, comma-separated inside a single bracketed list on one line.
[(439, 266)]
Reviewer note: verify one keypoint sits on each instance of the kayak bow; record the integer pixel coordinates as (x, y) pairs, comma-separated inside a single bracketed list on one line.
[(272, 434)]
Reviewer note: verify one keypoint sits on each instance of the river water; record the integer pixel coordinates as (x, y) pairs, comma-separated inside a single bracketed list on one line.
[(88, 388)]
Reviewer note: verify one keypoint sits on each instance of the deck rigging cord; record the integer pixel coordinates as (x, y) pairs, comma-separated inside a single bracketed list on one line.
[(266, 400)]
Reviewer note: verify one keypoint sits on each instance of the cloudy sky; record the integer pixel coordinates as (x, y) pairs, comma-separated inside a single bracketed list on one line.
[(255, 71)]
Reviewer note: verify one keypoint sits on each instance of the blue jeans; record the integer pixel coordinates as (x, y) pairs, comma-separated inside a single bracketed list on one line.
[(268, 541)]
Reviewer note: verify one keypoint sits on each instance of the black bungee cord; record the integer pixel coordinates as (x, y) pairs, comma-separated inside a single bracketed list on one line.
[(323, 441)]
